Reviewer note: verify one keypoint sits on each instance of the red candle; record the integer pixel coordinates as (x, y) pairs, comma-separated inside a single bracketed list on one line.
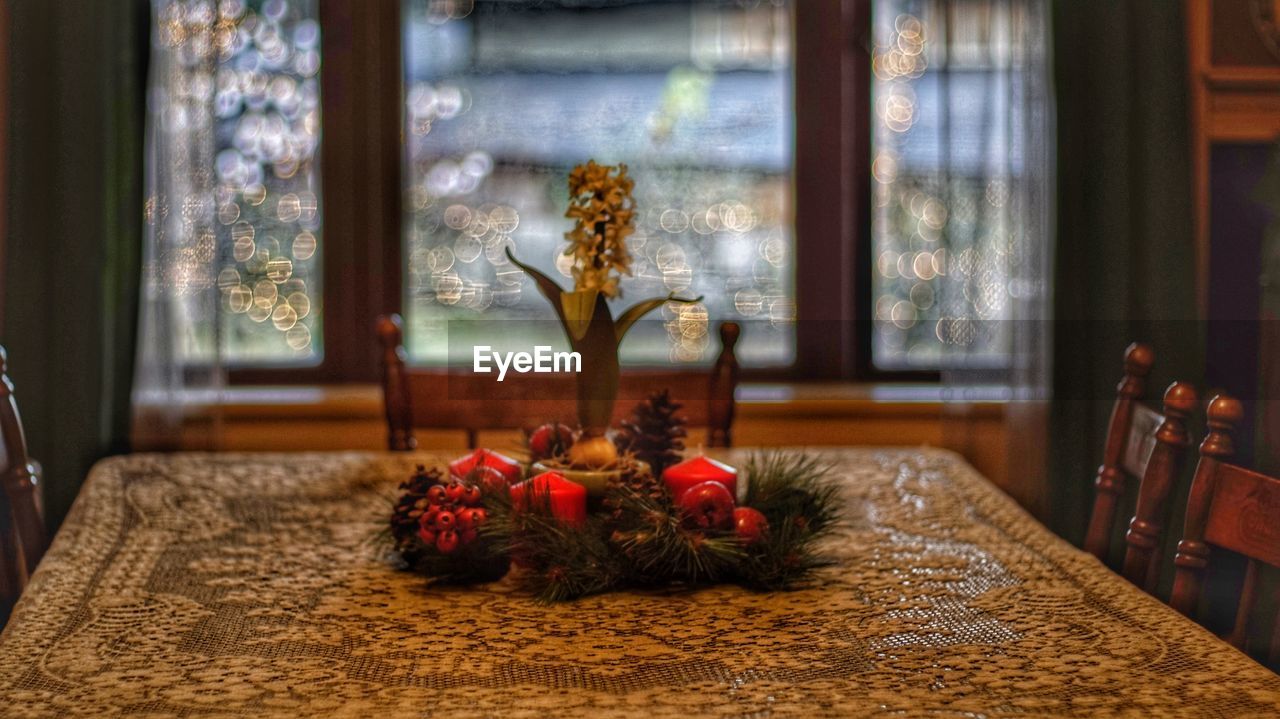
[(568, 499), (680, 477), (507, 467)]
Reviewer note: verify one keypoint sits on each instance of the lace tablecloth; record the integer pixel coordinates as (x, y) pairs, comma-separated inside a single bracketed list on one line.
[(248, 585)]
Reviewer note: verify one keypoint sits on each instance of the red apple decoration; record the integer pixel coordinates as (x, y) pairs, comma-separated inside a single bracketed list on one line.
[(550, 440), (708, 505), (749, 525)]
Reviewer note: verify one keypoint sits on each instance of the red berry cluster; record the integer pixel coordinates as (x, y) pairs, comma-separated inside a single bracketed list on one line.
[(453, 516)]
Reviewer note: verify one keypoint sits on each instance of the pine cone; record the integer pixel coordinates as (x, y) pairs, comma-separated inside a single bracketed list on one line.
[(411, 504), (641, 483), (654, 432)]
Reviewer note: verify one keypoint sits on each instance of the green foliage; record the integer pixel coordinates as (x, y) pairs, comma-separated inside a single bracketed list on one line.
[(789, 485), (658, 547), (645, 543), (556, 561)]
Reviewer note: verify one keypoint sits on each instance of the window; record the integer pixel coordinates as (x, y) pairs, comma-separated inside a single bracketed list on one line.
[(503, 98), (449, 127)]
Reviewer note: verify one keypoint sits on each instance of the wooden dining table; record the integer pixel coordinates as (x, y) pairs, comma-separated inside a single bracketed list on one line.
[(251, 585)]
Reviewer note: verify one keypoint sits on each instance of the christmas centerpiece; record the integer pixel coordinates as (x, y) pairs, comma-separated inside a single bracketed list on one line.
[(646, 531), (597, 509)]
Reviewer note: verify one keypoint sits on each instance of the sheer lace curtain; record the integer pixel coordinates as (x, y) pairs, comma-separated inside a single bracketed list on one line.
[(232, 246), (1016, 208), (1030, 371), (179, 364), (964, 112)]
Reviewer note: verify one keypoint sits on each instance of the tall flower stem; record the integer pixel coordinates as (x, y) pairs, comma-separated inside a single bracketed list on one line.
[(595, 335)]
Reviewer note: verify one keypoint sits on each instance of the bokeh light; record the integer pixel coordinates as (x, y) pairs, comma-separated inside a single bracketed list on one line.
[(946, 160), (237, 138)]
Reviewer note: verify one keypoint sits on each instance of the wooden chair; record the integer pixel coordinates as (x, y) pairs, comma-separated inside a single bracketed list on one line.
[(1146, 446), (453, 400), (1232, 508), (22, 533)]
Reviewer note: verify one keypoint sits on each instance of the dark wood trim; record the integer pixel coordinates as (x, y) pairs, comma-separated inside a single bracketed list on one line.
[(833, 194), (4, 145), (859, 87), (361, 191), (832, 56), (1198, 50)]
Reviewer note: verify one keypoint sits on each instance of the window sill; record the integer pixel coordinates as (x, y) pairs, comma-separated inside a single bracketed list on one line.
[(755, 400)]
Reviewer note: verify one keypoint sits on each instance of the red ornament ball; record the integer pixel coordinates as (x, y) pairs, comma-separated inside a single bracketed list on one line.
[(427, 535), (550, 440), (446, 520), (471, 497), (749, 525), (455, 491), (437, 494), (467, 519), (707, 506), (447, 542)]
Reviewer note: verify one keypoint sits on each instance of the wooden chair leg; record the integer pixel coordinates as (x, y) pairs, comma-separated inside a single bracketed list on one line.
[(1273, 652)]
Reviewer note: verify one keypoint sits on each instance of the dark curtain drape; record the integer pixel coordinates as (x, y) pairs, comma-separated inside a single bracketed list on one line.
[(77, 82), (1125, 262)]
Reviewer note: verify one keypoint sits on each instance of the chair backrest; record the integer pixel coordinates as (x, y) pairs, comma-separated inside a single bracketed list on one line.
[(452, 400), (1232, 508), (22, 533), (1145, 446)]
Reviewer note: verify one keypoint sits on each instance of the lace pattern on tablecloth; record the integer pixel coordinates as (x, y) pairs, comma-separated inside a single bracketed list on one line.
[(248, 585)]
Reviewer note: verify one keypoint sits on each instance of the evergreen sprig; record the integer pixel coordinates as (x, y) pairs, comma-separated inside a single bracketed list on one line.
[(785, 484), (660, 549), (557, 561)]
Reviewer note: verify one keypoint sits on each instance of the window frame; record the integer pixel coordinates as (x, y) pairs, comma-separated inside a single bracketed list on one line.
[(362, 90)]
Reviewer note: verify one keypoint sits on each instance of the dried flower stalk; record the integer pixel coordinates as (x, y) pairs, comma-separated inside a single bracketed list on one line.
[(603, 211)]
